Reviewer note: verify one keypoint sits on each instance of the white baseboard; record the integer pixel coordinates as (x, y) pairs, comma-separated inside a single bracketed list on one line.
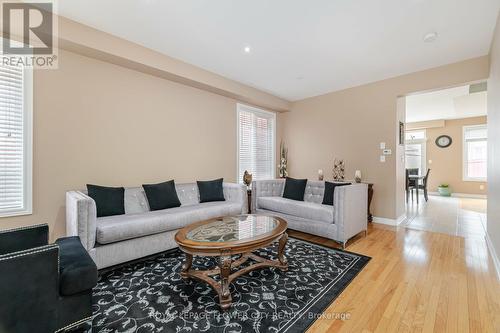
[(494, 256), (383, 220), (386, 221), (463, 195)]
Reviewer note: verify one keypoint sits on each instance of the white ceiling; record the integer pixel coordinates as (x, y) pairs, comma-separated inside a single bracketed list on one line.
[(453, 103), (299, 48)]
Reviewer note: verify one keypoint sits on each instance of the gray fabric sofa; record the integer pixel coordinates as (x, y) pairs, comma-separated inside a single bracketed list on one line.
[(345, 219), (140, 232)]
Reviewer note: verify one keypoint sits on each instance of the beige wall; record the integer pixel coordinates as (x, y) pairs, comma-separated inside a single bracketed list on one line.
[(95, 122), (494, 144), (351, 123), (446, 166)]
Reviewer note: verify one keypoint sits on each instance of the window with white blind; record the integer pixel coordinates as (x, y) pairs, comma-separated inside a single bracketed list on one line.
[(15, 140), (256, 142), (475, 152)]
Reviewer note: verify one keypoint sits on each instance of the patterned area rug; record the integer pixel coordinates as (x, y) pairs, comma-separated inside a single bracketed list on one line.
[(150, 296)]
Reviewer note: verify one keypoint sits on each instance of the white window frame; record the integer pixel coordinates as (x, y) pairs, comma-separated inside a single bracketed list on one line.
[(27, 208), (423, 143), (424, 139), (242, 108), (465, 154)]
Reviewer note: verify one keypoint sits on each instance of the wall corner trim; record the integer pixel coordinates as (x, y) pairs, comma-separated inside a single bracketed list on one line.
[(386, 221)]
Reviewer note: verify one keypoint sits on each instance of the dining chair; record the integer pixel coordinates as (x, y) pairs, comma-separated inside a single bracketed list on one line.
[(423, 186), (413, 172), (410, 184)]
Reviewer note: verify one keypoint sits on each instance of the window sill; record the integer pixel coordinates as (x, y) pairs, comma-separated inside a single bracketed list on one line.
[(478, 180), (16, 213)]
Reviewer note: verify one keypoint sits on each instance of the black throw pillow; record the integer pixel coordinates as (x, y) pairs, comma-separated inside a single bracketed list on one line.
[(329, 190), (162, 195), (211, 190), (294, 189), (108, 200)]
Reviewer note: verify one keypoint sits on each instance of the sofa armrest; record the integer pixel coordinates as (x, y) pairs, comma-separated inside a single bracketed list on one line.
[(351, 204), (23, 238), (29, 290), (266, 188), (81, 216), (236, 193)]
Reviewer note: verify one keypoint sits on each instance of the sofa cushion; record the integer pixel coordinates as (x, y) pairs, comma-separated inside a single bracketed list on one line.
[(329, 191), (211, 190), (116, 228), (135, 200), (162, 195), (294, 189), (109, 200), (77, 270), (306, 210), (315, 191)]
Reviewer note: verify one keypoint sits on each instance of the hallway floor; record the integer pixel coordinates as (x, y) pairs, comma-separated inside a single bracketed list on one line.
[(463, 217)]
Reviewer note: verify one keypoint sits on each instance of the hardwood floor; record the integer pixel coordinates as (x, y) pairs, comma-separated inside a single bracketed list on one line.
[(417, 281)]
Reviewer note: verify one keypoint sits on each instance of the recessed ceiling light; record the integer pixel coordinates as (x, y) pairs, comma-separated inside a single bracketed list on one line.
[(430, 37), (247, 49)]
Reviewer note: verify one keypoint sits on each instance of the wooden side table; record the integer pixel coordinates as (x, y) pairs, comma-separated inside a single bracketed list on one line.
[(249, 195), (370, 197)]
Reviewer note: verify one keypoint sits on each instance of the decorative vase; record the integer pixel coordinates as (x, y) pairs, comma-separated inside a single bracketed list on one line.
[(357, 176), (282, 167), (320, 174), (444, 191), (338, 170), (247, 178)]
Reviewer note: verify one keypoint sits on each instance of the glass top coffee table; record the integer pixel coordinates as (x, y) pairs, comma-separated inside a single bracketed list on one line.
[(232, 235)]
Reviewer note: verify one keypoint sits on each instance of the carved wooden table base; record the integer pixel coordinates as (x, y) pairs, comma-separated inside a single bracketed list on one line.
[(224, 269)]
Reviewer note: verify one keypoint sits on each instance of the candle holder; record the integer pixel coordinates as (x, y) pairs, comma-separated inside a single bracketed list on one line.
[(357, 176)]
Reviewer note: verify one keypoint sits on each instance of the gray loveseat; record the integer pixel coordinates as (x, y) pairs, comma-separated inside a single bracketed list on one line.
[(346, 218), (140, 232)]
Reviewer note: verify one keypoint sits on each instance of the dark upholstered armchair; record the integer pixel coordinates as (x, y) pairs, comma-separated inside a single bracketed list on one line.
[(43, 288)]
